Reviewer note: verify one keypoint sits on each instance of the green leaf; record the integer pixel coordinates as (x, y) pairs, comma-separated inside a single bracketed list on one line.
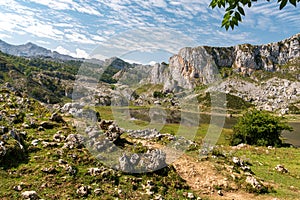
[(283, 4), (213, 4), (238, 16), (232, 24), (241, 10), (293, 2)]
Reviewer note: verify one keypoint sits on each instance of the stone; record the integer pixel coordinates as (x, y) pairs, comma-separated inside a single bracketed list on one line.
[(2, 149), (104, 124), (125, 164), (95, 171), (83, 191), (62, 162), (190, 195), (98, 191), (30, 195), (49, 170), (220, 193), (35, 142), (74, 141), (47, 125), (253, 182), (18, 188), (281, 168), (57, 118), (58, 137)]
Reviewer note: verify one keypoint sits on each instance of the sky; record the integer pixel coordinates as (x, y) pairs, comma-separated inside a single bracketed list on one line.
[(138, 30)]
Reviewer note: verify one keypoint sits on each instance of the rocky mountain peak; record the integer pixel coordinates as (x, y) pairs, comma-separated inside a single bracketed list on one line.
[(32, 50), (202, 64), (116, 62)]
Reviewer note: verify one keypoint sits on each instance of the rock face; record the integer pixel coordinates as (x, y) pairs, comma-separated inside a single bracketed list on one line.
[(272, 95), (201, 64)]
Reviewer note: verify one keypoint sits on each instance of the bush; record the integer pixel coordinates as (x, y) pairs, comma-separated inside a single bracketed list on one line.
[(158, 94), (259, 128)]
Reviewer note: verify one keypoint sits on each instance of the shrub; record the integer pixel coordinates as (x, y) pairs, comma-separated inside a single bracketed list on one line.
[(259, 128)]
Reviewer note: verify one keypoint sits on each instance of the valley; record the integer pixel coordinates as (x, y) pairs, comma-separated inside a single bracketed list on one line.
[(92, 129)]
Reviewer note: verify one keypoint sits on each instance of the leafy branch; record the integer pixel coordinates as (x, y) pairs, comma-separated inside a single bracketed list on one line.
[(234, 9)]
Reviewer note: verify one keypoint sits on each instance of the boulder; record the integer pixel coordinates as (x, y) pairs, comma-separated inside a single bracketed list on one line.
[(47, 125), (83, 191), (30, 195), (253, 182), (57, 118), (281, 168), (74, 141)]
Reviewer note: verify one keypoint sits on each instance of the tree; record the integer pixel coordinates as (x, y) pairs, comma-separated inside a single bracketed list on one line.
[(234, 9), (259, 128)]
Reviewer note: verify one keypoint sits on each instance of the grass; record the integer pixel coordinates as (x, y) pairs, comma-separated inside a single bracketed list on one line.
[(62, 184), (264, 161)]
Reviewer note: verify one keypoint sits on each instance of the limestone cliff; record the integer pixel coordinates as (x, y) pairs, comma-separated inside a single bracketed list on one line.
[(201, 64)]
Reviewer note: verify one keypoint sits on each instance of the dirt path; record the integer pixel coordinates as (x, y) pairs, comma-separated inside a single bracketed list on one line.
[(202, 176)]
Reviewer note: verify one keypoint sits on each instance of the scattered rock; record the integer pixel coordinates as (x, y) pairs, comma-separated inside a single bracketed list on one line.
[(281, 168), (18, 188), (98, 191), (83, 191), (47, 125), (104, 124), (50, 170), (58, 137), (57, 118), (30, 195), (253, 182), (95, 171), (2, 149), (220, 193), (35, 142), (190, 195), (74, 141)]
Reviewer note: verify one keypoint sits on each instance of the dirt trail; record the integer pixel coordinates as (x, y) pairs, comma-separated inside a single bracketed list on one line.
[(202, 176)]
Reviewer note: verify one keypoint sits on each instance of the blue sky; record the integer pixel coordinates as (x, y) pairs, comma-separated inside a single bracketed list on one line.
[(137, 30)]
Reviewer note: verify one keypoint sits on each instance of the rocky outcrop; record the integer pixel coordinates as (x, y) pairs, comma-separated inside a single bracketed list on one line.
[(272, 95), (201, 64)]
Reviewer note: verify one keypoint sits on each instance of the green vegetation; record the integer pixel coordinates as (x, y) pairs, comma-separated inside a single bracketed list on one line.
[(108, 74), (158, 94), (264, 161), (235, 9), (27, 167), (259, 128), (233, 103)]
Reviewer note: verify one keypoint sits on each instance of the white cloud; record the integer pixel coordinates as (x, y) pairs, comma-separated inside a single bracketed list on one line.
[(44, 30), (79, 38), (78, 54), (143, 40), (4, 36), (83, 7), (116, 24)]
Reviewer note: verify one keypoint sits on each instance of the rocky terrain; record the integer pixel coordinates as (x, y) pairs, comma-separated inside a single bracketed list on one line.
[(43, 156), (266, 76), (202, 64), (60, 137)]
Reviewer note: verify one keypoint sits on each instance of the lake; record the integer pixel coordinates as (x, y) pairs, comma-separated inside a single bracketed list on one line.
[(175, 117), (294, 136)]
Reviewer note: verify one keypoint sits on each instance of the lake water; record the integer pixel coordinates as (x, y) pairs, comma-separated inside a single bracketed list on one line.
[(293, 137), (175, 117)]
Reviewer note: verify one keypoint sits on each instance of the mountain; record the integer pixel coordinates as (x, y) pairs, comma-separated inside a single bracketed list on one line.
[(200, 65), (32, 50)]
